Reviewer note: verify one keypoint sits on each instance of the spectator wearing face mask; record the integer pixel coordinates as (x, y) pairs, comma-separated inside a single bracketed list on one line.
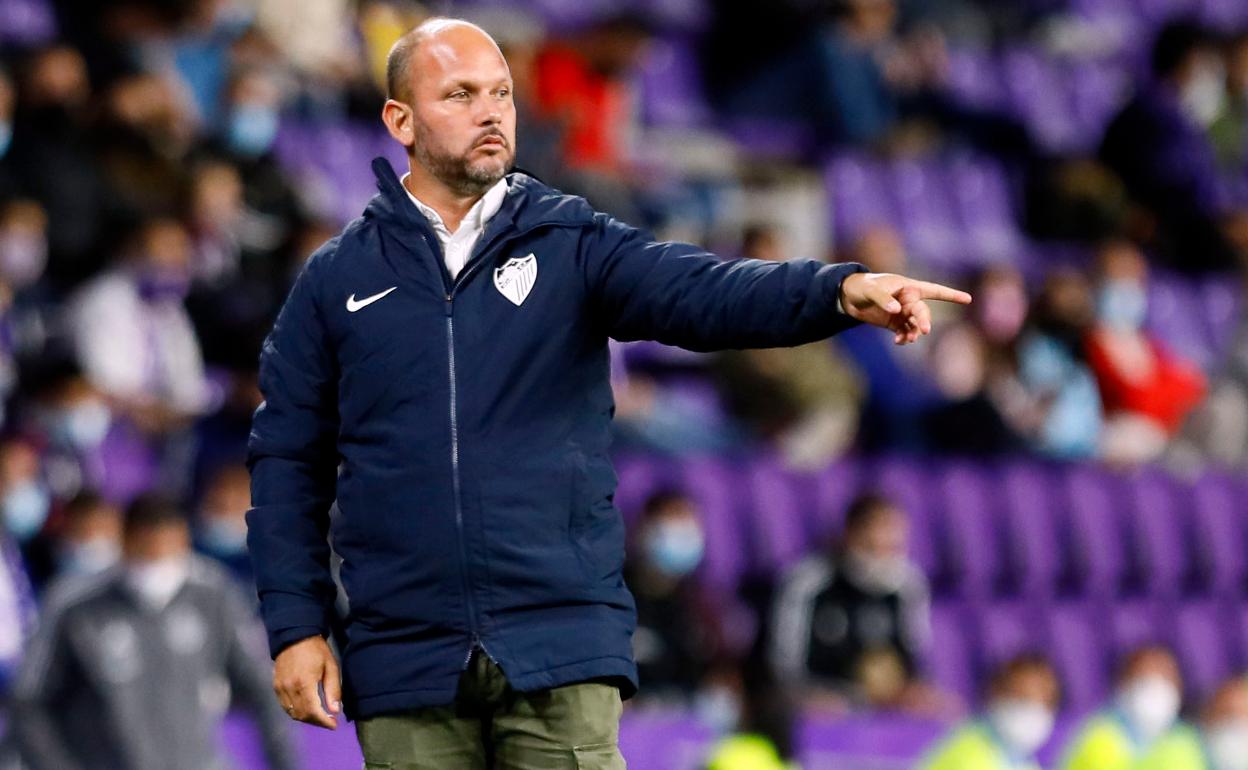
[(1140, 728), (221, 527), (137, 670), (136, 345), (848, 626), (1018, 720), (1224, 726), (1146, 390), (81, 544), (24, 497), (678, 631), (1158, 145)]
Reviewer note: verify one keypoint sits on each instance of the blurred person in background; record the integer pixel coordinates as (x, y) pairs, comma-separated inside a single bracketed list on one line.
[(803, 400), (678, 635), (136, 670), (1147, 391), (1063, 415), (762, 738), (1158, 145), (1023, 698), (8, 106), (134, 338), (849, 625), (54, 160), (1229, 132), (1224, 726), (974, 367), (25, 500), (1140, 729), (221, 525), (82, 543), (899, 384)]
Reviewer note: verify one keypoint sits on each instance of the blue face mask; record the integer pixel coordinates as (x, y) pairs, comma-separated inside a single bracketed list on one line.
[(1122, 305), (25, 508), (675, 547), (251, 130), (223, 537), (89, 557), (83, 426)]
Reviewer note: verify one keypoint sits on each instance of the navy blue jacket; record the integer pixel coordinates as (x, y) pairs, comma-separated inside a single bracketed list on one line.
[(464, 436)]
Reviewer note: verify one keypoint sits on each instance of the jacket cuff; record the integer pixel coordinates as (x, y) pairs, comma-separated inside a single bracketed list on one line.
[(280, 640), (843, 271)]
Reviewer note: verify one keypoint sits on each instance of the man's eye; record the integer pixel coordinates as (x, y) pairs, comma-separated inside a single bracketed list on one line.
[(503, 93), (461, 95)]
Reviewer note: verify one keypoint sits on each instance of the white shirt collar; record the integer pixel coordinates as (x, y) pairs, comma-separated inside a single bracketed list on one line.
[(480, 213)]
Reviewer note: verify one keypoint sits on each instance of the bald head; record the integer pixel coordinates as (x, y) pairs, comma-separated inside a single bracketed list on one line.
[(403, 54)]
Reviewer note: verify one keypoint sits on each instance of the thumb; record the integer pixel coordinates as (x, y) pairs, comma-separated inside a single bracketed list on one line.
[(882, 298), (331, 684)]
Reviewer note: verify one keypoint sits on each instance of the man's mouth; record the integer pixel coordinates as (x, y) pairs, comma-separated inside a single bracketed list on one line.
[(491, 140)]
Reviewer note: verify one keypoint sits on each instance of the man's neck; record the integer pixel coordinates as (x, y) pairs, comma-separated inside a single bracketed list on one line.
[(450, 205)]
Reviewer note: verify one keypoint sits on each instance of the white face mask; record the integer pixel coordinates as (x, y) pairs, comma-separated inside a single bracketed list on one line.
[(1202, 99), (877, 574), (155, 582), (1022, 725), (1150, 705), (1227, 743)]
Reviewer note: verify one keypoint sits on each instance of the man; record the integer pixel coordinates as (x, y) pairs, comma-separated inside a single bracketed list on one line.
[(135, 669), (1140, 730), (1224, 726), (1023, 697), (440, 371), (851, 625)]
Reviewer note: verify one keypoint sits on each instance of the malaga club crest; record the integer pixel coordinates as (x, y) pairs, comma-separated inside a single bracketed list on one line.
[(514, 280)]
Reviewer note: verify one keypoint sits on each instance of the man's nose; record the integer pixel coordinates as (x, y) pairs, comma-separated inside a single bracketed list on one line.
[(490, 115)]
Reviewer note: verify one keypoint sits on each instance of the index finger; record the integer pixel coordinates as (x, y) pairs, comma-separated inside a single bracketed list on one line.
[(931, 290)]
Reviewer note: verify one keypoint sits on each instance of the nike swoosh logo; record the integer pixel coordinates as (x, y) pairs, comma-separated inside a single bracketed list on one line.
[(354, 304)]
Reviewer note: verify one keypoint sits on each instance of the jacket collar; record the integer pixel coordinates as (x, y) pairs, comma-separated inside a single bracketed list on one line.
[(528, 203)]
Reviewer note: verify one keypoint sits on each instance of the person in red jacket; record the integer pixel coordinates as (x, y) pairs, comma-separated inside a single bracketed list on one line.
[(1147, 390)]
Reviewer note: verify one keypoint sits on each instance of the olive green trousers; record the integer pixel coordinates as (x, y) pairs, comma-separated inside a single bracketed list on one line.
[(493, 727)]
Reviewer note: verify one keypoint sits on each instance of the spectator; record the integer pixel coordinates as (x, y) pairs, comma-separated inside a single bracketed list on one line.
[(221, 529), (136, 670), (1224, 726), (1063, 416), (1229, 133), (134, 337), (678, 631), (24, 498), (69, 419), (1146, 390), (1159, 147), (83, 543), (1140, 729), (849, 625), (1023, 696), (803, 400)]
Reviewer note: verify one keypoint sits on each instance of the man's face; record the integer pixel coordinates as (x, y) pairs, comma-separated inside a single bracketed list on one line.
[(464, 120)]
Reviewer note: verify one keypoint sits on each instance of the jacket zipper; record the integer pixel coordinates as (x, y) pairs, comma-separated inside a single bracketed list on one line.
[(476, 640)]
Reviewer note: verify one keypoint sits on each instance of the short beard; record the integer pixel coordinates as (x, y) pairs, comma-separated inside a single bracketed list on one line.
[(455, 171)]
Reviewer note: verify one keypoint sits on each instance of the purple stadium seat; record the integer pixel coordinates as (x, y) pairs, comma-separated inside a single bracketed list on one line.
[(27, 22), (640, 476), (772, 137), (776, 515), (1038, 94), (1219, 537), (1176, 316), (857, 191), (1098, 89), (671, 85), (906, 482), (974, 543), (1201, 645), (1139, 622), (714, 485), (878, 740), (947, 661), (1159, 537), (1030, 516), (922, 203), (985, 211), (1160, 11), (1007, 629), (975, 78), (1093, 524), (1220, 299), (835, 488), (1076, 642)]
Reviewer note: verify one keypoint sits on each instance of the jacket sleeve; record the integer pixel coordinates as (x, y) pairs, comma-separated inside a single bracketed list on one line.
[(45, 674), (678, 294), (293, 457)]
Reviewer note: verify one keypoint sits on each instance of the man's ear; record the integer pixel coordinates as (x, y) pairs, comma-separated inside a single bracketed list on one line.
[(400, 122)]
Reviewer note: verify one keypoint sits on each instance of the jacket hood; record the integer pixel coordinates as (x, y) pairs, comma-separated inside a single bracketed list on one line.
[(528, 203)]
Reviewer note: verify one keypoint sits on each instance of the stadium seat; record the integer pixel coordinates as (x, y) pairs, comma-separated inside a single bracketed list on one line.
[(947, 660), (975, 548), (1030, 519), (1092, 523), (1077, 644), (1217, 503)]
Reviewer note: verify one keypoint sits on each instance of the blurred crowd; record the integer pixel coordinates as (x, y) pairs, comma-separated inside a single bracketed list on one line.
[(150, 226)]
